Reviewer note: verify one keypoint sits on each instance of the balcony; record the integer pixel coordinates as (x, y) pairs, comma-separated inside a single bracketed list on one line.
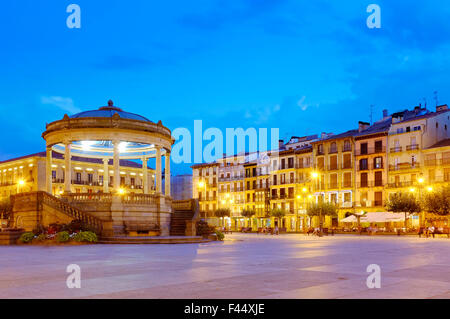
[(302, 165), (333, 185), (347, 148), (364, 184), (370, 166), (332, 150), (404, 166), (396, 149), (371, 150), (400, 184), (347, 165), (433, 162), (412, 147), (332, 167)]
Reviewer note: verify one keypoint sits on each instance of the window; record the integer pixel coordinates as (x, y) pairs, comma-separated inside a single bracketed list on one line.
[(363, 164), (347, 161), (54, 174), (122, 180), (378, 198), (78, 177), (363, 148), (290, 162), (132, 181), (347, 146), (400, 130), (320, 149), (378, 146), (90, 178), (378, 178), (347, 179), (333, 162), (364, 180), (378, 162), (333, 147), (347, 197)]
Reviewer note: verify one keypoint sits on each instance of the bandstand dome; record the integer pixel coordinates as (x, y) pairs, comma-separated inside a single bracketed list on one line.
[(108, 112), (109, 133)]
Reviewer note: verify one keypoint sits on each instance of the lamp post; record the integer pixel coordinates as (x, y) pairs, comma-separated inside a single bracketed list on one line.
[(315, 176), (421, 181), (202, 186)]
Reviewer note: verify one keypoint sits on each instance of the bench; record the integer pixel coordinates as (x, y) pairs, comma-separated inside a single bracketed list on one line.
[(134, 228)]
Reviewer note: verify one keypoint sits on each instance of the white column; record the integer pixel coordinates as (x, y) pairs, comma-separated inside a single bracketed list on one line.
[(48, 170), (144, 175), (105, 175), (158, 170), (116, 163), (67, 168), (167, 174)]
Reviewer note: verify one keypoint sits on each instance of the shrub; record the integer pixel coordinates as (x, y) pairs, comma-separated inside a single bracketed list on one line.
[(203, 229), (41, 237), (76, 226), (220, 235), (85, 236), (26, 237), (39, 230), (62, 237)]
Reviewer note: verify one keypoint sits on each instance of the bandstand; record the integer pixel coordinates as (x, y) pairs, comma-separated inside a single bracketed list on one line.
[(110, 134)]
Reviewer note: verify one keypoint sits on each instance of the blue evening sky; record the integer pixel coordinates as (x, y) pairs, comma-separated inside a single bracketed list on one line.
[(303, 66)]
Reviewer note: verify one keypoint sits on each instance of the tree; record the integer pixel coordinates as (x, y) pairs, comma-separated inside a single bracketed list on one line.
[(321, 209), (222, 212), (403, 203), (248, 213), (438, 202), (277, 213)]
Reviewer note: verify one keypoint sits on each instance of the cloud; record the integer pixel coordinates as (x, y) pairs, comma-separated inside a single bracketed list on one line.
[(64, 103)]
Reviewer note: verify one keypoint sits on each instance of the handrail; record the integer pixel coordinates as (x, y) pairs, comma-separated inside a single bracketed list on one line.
[(69, 210)]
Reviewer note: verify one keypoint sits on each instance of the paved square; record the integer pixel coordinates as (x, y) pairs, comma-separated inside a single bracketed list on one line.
[(244, 266)]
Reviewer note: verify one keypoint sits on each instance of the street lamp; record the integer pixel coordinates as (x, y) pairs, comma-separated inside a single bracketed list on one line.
[(315, 176), (20, 184)]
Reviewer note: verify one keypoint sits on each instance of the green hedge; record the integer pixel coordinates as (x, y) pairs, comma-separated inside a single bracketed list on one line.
[(85, 236), (62, 237), (26, 237)]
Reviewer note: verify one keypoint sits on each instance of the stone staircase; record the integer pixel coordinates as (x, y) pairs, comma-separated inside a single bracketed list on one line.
[(178, 222), (185, 212), (40, 207), (72, 211)]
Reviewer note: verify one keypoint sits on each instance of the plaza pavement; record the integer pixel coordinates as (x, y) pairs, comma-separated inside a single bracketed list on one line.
[(243, 266)]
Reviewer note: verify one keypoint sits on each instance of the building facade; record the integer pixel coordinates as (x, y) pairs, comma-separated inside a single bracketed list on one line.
[(356, 170)]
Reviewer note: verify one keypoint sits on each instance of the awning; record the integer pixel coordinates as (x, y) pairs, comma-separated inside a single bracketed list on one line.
[(376, 217)]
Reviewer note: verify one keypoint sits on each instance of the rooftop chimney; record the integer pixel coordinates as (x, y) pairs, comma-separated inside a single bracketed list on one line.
[(363, 126), (385, 113), (441, 108), (280, 144), (417, 109)]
